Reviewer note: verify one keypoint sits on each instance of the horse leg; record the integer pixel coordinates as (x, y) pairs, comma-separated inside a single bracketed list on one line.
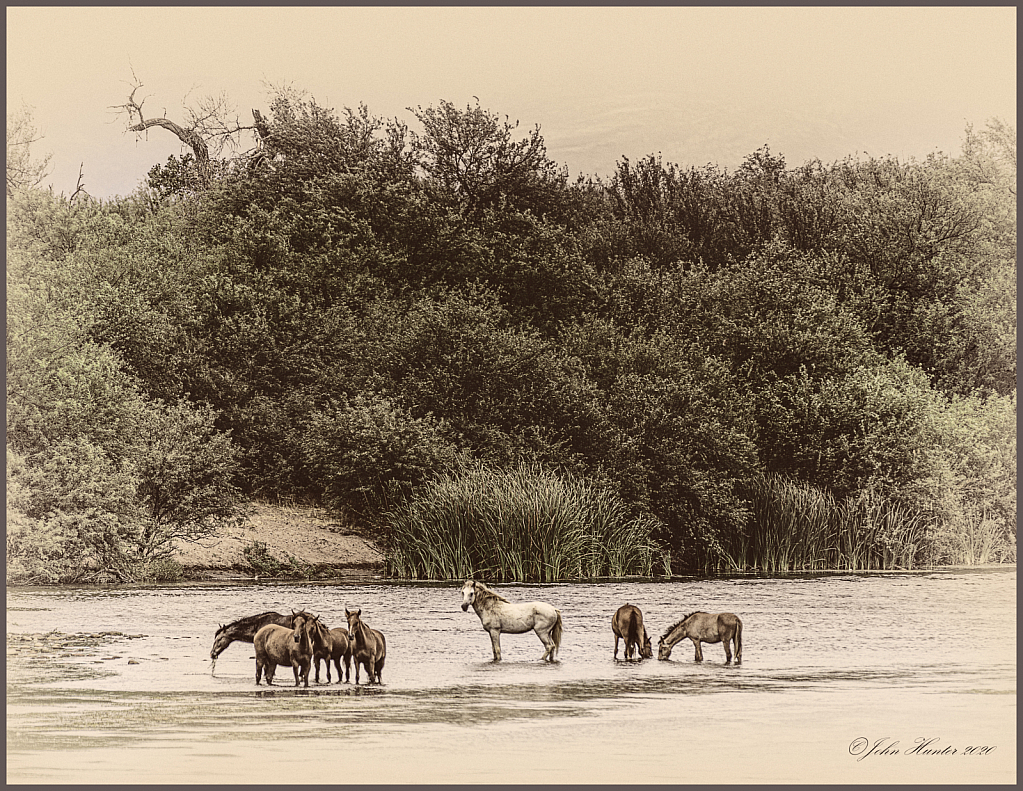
[(495, 640), (699, 650), (728, 649), (259, 672), (616, 646), (548, 642), (348, 669)]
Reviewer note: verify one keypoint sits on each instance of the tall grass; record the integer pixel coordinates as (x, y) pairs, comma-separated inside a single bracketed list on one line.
[(973, 537), (795, 527), (525, 525)]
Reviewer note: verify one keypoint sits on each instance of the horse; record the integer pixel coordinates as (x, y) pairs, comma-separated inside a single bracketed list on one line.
[(244, 630), (370, 649), (337, 648), (627, 624), (277, 645), (722, 627), (497, 615)]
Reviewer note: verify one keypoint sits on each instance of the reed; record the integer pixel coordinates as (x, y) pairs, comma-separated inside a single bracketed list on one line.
[(794, 527), (526, 524)]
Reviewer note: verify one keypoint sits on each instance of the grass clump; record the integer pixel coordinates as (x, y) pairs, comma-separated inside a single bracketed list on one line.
[(795, 527), (526, 525)]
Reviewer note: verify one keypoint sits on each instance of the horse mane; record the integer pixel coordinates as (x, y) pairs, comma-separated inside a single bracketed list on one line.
[(488, 593), (677, 624), (249, 620)]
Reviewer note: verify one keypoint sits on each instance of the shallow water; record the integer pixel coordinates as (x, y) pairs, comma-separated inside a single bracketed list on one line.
[(865, 678)]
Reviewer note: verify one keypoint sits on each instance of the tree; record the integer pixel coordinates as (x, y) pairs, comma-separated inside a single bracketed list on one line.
[(208, 124), (22, 171), (473, 161)]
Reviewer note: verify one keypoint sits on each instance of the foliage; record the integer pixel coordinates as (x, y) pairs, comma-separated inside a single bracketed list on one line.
[(23, 172), (772, 367), (258, 556), (471, 160), (796, 527), (363, 450), (526, 524)]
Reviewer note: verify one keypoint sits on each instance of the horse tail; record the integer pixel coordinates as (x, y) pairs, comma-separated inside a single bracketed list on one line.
[(556, 631)]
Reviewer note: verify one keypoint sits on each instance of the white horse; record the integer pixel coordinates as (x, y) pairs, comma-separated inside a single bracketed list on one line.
[(497, 615)]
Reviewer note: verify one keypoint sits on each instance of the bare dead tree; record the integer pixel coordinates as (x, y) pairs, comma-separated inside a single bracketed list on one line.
[(207, 126)]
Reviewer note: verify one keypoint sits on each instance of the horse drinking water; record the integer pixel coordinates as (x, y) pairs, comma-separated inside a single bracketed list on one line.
[(701, 626), (244, 630), (627, 624), (497, 615), (369, 648), (277, 645)]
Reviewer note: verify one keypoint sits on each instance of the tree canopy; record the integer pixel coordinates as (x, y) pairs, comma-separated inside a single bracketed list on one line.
[(353, 308)]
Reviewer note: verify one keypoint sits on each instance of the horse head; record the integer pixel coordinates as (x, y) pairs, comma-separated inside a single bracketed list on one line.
[(220, 642), (663, 649), (468, 594), (647, 650), (321, 635), (301, 624)]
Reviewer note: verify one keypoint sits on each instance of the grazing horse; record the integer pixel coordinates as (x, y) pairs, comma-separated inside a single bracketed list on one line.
[(627, 624), (497, 615), (244, 630), (369, 650), (337, 648), (700, 626), (277, 645)]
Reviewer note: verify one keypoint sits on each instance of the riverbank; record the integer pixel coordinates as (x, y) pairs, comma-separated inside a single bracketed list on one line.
[(286, 536)]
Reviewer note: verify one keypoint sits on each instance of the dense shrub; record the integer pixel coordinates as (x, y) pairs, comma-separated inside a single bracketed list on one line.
[(526, 525)]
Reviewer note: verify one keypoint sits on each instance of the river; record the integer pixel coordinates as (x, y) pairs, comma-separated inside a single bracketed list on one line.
[(846, 678)]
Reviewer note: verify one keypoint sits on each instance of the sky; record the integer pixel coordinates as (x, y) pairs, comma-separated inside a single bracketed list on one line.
[(696, 85)]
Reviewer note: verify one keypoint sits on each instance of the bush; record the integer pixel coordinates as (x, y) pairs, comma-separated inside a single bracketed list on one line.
[(525, 525), (364, 448), (266, 565)]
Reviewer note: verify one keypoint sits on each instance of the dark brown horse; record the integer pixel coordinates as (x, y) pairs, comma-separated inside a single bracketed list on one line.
[(370, 650), (338, 647), (244, 630), (277, 645), (704, 627), (627, 624)]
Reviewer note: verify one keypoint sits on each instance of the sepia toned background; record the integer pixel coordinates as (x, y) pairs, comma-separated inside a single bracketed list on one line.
[(698, 85)]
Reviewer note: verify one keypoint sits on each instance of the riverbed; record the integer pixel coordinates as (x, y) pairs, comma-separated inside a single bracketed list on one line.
[(892, 677)]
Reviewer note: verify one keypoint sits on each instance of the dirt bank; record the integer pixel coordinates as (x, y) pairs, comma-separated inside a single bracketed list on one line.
[(309, 535)]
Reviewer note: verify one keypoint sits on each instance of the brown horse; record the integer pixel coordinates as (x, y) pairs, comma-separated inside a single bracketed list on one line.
[(627, 624), (244, 630), (370, 650), (703, 627), (277, 645), (337, 648)]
